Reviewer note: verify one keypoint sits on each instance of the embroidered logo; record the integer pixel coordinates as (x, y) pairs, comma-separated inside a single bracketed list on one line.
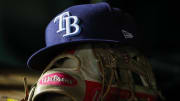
[(59, 79), (68, 23), (126, 34)]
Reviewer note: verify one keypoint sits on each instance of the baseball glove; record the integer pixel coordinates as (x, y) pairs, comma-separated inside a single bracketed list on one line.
[(97, 72)]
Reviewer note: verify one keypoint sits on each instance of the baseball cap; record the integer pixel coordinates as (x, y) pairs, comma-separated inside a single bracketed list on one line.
[(84, 23)]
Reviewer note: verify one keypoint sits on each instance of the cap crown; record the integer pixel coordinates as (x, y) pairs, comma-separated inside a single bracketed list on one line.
[(90, 22)]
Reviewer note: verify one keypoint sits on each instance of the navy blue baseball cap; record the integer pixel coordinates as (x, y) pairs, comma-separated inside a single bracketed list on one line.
[(84, 23)]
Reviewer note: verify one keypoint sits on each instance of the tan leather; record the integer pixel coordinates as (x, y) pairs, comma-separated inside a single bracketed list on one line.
[(94, 72)]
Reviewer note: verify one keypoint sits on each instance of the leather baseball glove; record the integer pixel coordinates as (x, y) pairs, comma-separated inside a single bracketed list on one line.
[(97, 72)]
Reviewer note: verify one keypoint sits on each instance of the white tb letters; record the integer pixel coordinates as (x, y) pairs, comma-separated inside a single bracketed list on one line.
[(67, 23)]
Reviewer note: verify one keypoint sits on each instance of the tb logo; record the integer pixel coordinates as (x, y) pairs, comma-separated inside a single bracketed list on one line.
[(68, 23)]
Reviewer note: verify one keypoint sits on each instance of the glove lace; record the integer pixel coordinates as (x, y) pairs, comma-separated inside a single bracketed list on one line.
[(26, 90)]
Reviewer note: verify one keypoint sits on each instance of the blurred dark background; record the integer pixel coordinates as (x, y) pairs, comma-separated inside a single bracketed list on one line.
[(23, 22)]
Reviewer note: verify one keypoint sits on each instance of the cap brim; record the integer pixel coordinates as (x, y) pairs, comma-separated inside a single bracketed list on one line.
[(40, 59)]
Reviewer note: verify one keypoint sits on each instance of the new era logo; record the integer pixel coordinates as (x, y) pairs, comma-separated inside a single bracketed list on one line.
[(127, 35), (67, 23)]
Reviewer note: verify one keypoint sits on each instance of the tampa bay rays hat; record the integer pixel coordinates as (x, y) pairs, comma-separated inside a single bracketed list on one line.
[(84, 23)]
